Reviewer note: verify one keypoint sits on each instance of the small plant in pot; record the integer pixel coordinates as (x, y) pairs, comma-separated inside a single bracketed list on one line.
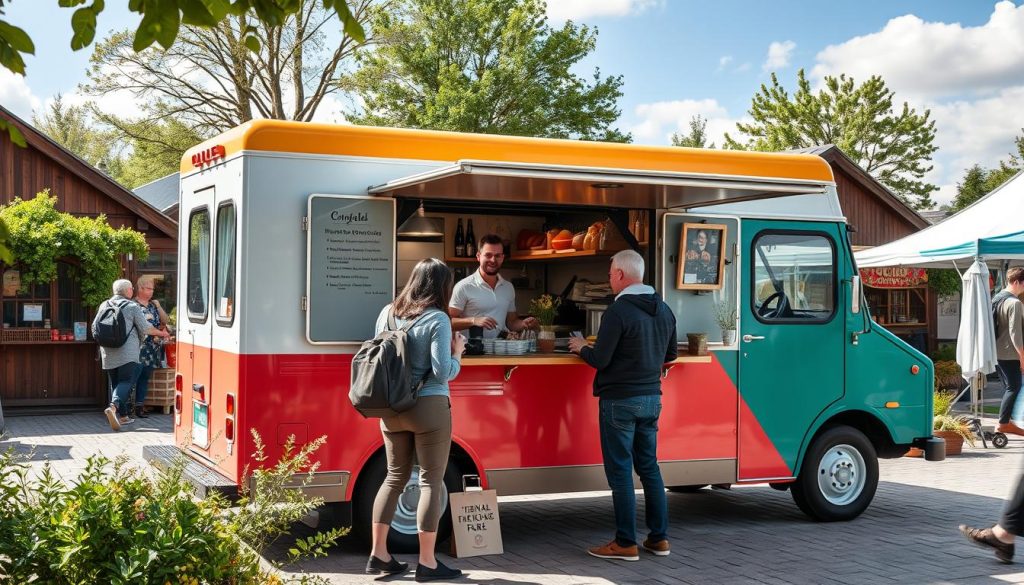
[(725, 315), (544, 308)]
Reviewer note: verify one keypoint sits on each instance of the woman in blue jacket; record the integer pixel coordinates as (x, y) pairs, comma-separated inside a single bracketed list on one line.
[(425, 431)]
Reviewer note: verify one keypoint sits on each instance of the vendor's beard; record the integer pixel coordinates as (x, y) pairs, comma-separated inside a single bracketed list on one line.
[(493, 272)]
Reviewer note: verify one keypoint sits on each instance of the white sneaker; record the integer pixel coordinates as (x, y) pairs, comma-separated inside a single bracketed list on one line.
[(112, 418), (126, 420)]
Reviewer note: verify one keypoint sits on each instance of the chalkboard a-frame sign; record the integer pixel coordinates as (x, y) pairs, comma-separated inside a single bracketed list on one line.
[(350, 266)]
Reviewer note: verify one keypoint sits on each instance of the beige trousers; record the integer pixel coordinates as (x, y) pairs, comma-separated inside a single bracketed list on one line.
[(426, 432)]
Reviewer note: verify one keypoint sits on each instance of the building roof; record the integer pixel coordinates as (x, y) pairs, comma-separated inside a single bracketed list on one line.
[(161, 193), (935, 215), (834, 155), (95, 177)]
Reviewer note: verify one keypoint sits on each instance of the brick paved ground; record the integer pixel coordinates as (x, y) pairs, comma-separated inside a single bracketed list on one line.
[(746, 535)]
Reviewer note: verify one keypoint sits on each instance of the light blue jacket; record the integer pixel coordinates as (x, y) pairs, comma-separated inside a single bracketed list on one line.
[(430, 349)]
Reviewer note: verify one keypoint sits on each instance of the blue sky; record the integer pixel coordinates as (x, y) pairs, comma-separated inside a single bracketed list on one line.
[(962, 59)]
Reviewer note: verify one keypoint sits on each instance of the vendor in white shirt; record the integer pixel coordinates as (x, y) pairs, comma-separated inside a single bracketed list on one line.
[(484, 298)]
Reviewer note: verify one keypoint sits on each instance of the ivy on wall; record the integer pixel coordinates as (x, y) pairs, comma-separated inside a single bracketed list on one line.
[(40, 236)]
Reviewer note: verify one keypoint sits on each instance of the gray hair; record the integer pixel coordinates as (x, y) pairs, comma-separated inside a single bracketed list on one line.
[(122, 286), (630, 263)]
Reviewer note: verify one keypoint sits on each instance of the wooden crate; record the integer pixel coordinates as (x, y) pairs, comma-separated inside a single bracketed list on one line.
[(161, 390)]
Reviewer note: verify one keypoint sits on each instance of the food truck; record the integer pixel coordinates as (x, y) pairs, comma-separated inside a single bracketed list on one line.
[(292, 241)]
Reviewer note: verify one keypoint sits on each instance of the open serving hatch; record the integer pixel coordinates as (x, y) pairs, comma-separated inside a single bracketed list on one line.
[(575, 185)]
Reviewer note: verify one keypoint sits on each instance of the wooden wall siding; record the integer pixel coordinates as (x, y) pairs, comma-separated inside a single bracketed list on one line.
[(875, 221), (59, 373), (29, 171)]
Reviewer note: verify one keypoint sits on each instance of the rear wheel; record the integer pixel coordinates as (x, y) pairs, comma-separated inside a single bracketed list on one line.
[(402, 538), (839, 476)]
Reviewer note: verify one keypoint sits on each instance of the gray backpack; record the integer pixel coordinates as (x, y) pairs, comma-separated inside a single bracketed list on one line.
[(380, 384)]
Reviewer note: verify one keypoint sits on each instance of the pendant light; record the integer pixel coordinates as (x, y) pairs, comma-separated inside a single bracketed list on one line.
[(420, 226)]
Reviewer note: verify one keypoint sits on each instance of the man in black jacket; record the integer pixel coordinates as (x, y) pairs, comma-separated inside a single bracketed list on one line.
[(636, 339)]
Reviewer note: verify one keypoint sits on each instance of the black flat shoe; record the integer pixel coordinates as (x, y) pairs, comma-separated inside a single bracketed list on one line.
[(439, 573), (375, 566), (141, 413)]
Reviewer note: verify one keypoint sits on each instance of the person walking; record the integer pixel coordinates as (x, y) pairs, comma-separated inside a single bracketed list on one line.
[(1009, 323), (151, 354), (636, 339), (121, 364), (423, 433)]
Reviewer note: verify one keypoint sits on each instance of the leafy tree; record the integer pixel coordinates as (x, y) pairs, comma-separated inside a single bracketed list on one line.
[(894, 147), (161, 21), (71, 127), (155, 148), (979, 181), (216, 78), (488, 66), (697, 137)]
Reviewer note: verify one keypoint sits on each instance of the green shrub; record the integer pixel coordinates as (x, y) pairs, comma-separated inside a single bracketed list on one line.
[(946, 352), (947, 376), (117, 525)]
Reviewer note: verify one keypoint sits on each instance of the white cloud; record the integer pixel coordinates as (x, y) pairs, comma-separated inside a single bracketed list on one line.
[(657, 121), (724, 62), (779, 55), (330, 111), (560, 10), (935, 59), (17, 96)]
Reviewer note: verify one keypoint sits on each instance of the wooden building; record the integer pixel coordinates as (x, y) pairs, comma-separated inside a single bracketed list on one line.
[(35, 371), (899, 297)]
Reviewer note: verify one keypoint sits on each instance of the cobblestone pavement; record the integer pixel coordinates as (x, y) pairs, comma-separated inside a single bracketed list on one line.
[(744, 535)]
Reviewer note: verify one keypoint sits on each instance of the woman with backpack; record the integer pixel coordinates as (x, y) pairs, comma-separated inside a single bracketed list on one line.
[(424, 431)]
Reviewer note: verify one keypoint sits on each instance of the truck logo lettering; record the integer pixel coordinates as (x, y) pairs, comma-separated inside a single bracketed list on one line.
[(208, 155)]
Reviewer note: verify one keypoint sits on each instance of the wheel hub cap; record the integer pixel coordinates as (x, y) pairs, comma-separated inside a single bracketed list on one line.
[(841, 474)]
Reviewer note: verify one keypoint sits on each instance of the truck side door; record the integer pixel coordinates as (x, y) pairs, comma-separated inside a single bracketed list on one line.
[(792, 340)]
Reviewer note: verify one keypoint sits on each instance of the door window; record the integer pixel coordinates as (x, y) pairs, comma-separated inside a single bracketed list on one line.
[(224, 292), (198, 264), (794, 277)]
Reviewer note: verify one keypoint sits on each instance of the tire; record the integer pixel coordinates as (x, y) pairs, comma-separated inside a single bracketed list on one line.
[(686, 489), (402, 538), (999, 440), (839, 476)]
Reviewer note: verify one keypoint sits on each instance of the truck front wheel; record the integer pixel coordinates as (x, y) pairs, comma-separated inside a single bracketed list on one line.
[(839, 476), (403, 537)]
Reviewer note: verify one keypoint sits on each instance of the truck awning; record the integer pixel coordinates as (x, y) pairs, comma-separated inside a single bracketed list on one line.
[(567, 185)]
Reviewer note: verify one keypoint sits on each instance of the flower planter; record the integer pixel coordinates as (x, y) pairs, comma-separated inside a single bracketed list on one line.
[(954, 444)]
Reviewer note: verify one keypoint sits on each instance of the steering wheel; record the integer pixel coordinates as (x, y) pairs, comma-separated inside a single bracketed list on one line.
[(766, 310)]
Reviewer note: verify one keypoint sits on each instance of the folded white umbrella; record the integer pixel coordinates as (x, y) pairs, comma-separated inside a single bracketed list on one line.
[(976, 341)]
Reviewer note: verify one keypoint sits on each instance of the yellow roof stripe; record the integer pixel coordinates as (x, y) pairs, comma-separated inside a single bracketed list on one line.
[(400, 143)]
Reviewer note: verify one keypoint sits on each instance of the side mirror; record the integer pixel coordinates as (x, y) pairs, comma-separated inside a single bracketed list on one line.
[(855, 294)]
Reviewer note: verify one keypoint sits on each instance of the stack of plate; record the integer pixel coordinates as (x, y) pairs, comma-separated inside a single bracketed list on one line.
[(507, 346)]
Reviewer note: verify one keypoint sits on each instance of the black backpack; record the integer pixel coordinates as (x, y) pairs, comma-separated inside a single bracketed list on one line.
[(997, 302), (110, 329), (380, 385)]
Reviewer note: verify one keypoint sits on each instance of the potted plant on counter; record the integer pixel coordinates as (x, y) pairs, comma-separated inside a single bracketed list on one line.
[(725, 315), (544, 308)]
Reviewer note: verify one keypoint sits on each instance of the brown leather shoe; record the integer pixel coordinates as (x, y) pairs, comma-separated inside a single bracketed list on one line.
[(1010, 429), (660, 548), (613, 551), (985, 537)]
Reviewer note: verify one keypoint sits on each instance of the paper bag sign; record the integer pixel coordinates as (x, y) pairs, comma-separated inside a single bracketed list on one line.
[(476, 529)]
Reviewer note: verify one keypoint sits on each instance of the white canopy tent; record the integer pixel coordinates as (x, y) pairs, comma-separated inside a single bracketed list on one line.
[(960, 238)]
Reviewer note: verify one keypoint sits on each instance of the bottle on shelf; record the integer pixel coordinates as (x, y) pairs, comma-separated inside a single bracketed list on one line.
[(470, 240), (460, 241)]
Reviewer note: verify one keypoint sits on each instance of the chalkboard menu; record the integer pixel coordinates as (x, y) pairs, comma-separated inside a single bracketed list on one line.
[(351, 272)]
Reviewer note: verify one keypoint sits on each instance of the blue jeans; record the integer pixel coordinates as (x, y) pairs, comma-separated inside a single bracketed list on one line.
[(142, 385), (629, 440), (121, 380), (1009, 374)]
